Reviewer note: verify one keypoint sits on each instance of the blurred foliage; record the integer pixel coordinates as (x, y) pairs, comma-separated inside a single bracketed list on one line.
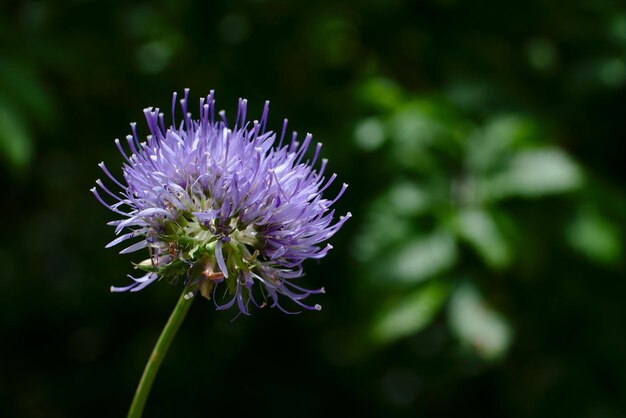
[(482, 273), (450, 180), (22, 97)]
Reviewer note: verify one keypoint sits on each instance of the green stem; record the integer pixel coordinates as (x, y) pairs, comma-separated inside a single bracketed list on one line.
[(158, 354)]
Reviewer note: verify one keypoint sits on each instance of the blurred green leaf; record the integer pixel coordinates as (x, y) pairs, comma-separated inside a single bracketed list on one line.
[(534, 173), (19, 86), (415, 126), (617, 29), (369, 134), (478, 228), (381, 93), (15, 143), (595, 237), (542, 54), (477, 325), (612, 71), (408, 199), (469, 94), (421, 258), (382, 229), (154, 56), (414, 130), (410, 314), (390, 221), (488, 146)]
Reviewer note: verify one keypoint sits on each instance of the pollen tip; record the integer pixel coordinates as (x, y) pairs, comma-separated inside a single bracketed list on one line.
[(318, 307), (323, 290), (112, 289)]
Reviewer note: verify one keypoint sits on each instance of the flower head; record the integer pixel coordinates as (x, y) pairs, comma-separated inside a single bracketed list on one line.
[(224, 208)]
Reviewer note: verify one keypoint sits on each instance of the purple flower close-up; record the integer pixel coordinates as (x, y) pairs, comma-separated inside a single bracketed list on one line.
[(233, 211)]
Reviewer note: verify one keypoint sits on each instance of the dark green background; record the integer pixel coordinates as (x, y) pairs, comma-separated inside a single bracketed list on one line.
[(547, 75)]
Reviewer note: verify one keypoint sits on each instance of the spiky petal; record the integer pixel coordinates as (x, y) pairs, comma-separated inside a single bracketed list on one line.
[(224, 207)]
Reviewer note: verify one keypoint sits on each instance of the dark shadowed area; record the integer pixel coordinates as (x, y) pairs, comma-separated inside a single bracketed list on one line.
[(483, 271)]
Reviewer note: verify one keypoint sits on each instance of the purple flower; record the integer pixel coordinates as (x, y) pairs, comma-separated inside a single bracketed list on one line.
[(222, 207)]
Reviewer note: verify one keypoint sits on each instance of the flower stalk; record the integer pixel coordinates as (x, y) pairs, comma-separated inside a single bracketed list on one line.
[(158, 353)]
